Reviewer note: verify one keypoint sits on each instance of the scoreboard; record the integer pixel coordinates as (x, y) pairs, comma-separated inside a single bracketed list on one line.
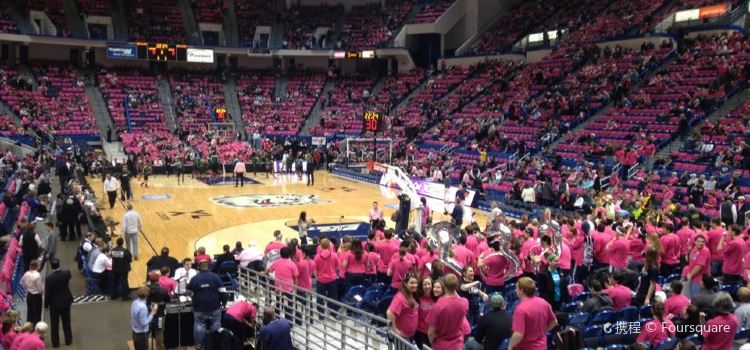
[(373, 121), (161, 52)]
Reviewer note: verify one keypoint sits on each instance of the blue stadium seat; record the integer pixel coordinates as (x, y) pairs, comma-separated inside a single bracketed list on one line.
[(667, 344), (580, 319), (603, 317), (627, 314), (571, 307), (383, 305), (370, 300), (672, 277), (646, 311), (616, 347), (729, 288), (742, 334), (353, 294), (695, 339), (582, 297), (593, 331), (504, 345)]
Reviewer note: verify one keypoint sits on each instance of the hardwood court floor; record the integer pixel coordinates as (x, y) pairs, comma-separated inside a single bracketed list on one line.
[(196, 214)]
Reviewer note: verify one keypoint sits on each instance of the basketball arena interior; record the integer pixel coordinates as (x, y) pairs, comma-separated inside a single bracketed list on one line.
[(374, 174)]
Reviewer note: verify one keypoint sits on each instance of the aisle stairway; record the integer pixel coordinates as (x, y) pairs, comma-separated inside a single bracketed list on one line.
[(167, 103), (74, 20), (192, 31), (119, 20), (233, 103)]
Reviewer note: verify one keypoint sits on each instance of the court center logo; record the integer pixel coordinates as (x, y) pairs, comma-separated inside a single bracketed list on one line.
[(269, 200)]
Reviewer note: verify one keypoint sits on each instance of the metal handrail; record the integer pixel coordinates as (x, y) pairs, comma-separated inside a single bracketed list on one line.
[(320, 322)]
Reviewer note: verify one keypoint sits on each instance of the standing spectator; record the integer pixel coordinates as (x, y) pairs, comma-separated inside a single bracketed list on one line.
[(70, 228), (532, 318), (121, 259), (125, 188), (427, 294), (649, 278), (447, 314), (403, 312), (30, 243), (207, 302), (111, 186), (375, 214), (310, 171), (32, 282), (286, 276), (699, 264), (494, 327), (276, 334), (140, 319), (326, 263), (471, 290), (734, 250), (160, 297), (717, 334), (131, 225), (58, 299), (552, 285), (621, 295), (239, 173)]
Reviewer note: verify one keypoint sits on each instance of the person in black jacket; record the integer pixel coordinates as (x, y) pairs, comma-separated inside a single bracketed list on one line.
[(58, 299), (70, 227), (160, 297), (493, 328), (121, 259), (598, 301), (225, 256), (127, 191), (157, 262), (552, 285), (30, 244)]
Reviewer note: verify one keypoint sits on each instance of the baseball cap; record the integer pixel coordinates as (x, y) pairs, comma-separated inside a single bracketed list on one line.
[(201, 259), (496, 301), (153, 277)]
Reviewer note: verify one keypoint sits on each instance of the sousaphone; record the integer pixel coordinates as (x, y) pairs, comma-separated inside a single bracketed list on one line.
[(441, 237)]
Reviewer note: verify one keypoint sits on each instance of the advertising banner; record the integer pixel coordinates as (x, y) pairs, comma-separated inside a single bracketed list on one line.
[(121, 52), (200, 55)]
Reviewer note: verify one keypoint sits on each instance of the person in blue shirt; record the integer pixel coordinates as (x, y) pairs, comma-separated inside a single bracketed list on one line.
[(140, 319), (276, 334), (207, 301), (553, 287)]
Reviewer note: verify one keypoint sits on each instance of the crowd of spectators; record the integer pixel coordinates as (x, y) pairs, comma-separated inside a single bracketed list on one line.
[(429, 13), (253, 13), (370, 26), (155, 21), (302, 25), (54, 11), (197, 95), (211, 11)]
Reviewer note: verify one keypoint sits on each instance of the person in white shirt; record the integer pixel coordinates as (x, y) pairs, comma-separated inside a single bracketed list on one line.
[(239, 173), (375, 214), (101, 269), (184, 274), (437, 175), (528, 194), (34, 285), (131, 225), (251, 256), (111, 186), (494, 213)]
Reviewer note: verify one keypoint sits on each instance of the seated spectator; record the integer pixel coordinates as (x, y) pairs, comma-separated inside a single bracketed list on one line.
[(719, 330), (157, 262), (621, 295), (676, 303), (658, 329), (493, 328), (598, 301), (225, 256), (704, 299), (743, 310)]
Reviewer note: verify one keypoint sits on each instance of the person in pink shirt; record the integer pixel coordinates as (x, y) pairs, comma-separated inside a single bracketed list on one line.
[(471, 242), (602, 236), (403, 312), (734, 250), (621, 296), (305, 266), (686, 235), (660, 328), (718, 332), (493, 269), (426, 260), (448, 312), (371, 267), (354, 264), (30, 341), (326, 263), (462, 254), (532, 318), (375, 214), (429, 292), (165, 282), (399, 266), (286, 274), (385, 249), (237, 316), (276, 244), (676, 304), (699, 264), (618, 249), (713, 236), (671, 244)]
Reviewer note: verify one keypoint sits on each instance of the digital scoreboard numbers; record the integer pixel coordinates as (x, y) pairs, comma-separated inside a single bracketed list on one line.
[(373, 121), (162, 52)]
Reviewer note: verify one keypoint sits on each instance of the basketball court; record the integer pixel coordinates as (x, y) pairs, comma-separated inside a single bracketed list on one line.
[(197, 213)]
